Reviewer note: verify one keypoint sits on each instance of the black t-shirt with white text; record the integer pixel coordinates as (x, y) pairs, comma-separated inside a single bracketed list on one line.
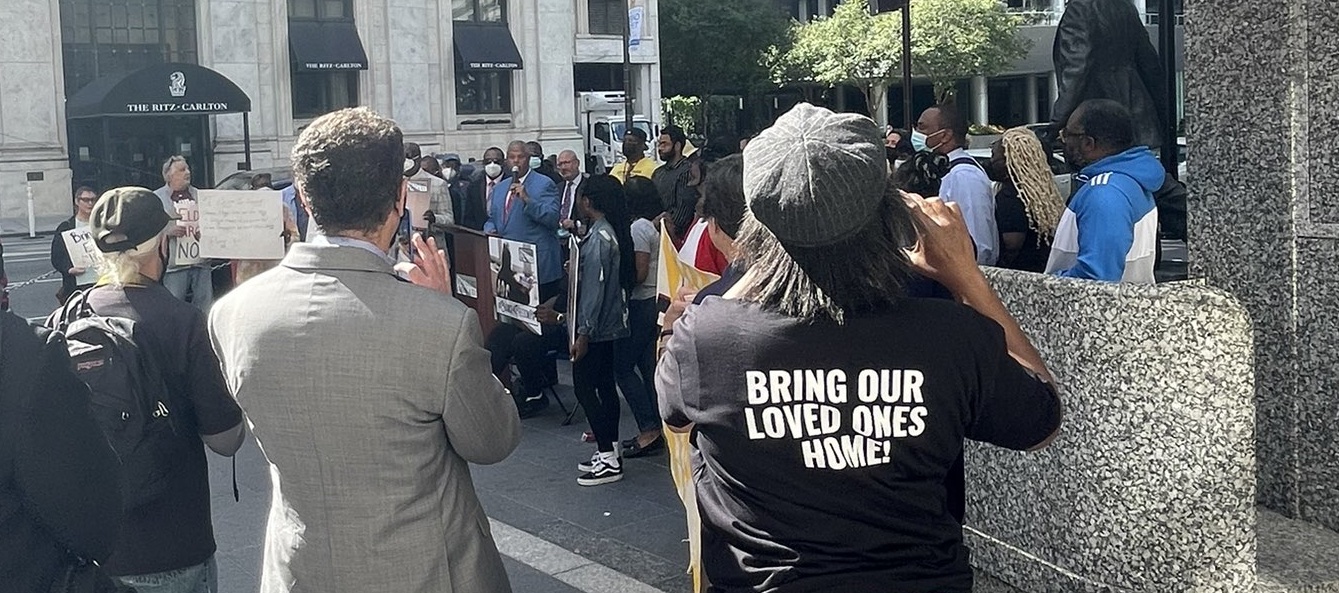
[(821, 450)]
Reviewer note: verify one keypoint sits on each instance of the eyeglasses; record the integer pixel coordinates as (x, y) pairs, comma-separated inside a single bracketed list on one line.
[(1066, 135), (86, 200)]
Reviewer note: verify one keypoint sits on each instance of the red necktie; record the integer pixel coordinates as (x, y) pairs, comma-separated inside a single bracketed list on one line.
[(506, 210)]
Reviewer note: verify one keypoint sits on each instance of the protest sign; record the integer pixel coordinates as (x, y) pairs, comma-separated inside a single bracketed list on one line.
[(515, 281), (83, 254), (573, 264), (673, 274), (185, 250), (241, 224), (418, 202)]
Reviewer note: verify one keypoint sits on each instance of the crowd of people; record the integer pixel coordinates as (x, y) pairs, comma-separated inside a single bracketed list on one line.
[(829, 376)]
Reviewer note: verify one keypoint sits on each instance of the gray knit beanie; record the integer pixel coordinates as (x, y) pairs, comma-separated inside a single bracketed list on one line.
[(815, 177)]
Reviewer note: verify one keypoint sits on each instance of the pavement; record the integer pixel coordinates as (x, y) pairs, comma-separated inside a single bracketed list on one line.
[(555, 536)]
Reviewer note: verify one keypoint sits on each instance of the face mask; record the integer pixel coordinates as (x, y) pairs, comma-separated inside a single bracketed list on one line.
[(918, 141), (631, 151), (534, 162), (449, 174), (492, 170)]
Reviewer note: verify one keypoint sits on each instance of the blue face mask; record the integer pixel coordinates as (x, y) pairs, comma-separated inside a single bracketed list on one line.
[(534, 162), (918, 141)]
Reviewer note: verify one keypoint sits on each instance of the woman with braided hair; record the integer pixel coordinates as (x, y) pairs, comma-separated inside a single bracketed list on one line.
[(1028, 204)]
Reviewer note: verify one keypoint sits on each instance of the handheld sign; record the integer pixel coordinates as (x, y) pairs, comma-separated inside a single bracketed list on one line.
[(241, 224), (83, 254)]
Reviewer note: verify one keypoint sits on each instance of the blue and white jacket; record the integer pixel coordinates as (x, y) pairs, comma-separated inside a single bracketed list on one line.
[(1109, 231)]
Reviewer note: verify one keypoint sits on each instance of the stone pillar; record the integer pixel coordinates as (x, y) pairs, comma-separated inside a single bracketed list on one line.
[(1271, 237), (1030, 97), (980, 100), (32, 116)]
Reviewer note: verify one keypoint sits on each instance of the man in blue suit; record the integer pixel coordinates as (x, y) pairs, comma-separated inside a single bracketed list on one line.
[(525, 208)]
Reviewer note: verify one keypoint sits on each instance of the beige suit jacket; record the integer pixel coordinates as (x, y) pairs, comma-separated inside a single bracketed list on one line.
[(368, 396)]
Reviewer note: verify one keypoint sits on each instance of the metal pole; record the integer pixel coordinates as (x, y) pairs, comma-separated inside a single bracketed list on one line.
[(32, 214), (627, 67), (246, 137), (908, 118), (1167, 45)]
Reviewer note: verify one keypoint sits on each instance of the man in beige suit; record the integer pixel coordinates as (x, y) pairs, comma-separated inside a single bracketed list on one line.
[(367, 393)]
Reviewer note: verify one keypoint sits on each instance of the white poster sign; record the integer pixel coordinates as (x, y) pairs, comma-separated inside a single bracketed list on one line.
[(515, 277), (186, 248), (83, 254), (241, 224)]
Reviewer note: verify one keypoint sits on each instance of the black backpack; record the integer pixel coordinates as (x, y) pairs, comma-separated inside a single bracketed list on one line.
[(129, 399)]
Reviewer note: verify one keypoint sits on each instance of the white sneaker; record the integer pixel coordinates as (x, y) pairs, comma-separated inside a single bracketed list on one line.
[(601, 473)]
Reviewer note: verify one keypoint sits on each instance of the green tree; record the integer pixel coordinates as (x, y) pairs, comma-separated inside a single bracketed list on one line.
[(715, 47), (956, 39), (951, 40)]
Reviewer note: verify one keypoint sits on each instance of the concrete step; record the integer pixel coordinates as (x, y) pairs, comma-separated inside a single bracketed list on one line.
[(1295, 556)]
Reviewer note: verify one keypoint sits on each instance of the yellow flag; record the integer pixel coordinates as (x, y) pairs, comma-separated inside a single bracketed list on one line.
[(673, 274)]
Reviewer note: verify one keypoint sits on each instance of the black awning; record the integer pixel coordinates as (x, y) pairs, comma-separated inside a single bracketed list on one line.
[(329, 45), (486, 46), (162, 89)]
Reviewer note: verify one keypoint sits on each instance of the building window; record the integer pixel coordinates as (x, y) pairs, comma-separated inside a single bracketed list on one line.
[(479, 11), (320, 10), (482, 91), (318, 93), (607, 17), (110, 37)]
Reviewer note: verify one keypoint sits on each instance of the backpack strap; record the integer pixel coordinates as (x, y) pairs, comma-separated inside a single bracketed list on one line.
[(966, 160), (75, 307)]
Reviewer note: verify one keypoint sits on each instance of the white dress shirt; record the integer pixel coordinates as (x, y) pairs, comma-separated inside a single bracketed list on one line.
[(970, 188)]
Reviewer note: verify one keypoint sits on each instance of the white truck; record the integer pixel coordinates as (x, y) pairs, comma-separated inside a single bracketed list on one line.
[(602, 118)]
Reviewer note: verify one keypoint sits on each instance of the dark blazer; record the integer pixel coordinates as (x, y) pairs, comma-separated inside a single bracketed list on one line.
[(59, 483), (1102, 51), (473, 211)]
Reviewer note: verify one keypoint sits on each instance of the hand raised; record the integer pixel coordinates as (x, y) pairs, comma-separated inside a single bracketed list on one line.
[(429, 268)]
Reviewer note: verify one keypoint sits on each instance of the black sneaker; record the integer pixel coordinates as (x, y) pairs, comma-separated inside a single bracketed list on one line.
[(601, 473), (532, 407), (589, 465)]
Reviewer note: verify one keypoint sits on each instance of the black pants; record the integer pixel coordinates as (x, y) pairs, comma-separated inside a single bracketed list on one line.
[(510, 343), (593, 378)]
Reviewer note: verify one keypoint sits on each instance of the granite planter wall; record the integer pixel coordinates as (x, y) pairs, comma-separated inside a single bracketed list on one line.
[(1151, 487)]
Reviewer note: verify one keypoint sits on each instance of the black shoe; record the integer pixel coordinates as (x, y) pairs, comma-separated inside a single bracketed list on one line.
[(532, 407), (651, 448), (630, 443), (601, 473)]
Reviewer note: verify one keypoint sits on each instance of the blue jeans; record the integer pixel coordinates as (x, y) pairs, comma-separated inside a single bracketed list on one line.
[(198, 281), (637, 353), (201, 578)]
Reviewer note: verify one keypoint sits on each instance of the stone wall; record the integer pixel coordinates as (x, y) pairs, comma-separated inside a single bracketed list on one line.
[(1264, 222), (1151, 486)]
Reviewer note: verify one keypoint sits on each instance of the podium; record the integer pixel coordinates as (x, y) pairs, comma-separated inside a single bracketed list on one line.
[(472, 271)]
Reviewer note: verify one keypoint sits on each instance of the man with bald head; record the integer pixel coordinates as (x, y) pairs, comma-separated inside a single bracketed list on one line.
[(569, 169), (525, 208)]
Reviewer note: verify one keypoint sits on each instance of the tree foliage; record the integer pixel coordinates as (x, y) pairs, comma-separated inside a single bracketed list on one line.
[(710, 47), (951, 40)]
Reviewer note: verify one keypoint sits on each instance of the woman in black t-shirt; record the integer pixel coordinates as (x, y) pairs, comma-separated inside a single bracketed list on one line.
[(1028, 204), (827, 406)]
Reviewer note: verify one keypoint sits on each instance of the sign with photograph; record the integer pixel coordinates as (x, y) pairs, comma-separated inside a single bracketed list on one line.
[(514, 273)]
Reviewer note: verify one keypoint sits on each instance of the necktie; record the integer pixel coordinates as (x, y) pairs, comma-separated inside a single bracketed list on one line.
[(488, 196), (506, 209), (567, 201)]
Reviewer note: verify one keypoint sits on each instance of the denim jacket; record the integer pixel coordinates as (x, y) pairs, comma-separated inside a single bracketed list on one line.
[(602, 307)]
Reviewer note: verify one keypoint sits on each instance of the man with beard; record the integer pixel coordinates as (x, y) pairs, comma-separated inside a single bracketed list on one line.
[(671, 181)]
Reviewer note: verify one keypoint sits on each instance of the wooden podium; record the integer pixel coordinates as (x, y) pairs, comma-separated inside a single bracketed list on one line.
[(472, 265)]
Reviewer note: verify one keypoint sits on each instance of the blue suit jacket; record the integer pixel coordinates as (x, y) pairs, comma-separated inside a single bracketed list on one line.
[(532, 222)]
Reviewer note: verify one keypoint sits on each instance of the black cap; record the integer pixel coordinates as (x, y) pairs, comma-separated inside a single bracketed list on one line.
[(639, 133), (125, 217)]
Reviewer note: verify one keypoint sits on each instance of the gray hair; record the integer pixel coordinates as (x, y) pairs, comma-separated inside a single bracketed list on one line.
[(172, 160), (867, 272)]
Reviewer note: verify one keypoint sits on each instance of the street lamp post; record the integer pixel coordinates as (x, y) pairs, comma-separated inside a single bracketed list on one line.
[(627, 68), (882, 6)]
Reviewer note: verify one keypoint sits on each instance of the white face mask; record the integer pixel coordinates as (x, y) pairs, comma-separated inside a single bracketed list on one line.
[(492, 170), (449, 174)]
